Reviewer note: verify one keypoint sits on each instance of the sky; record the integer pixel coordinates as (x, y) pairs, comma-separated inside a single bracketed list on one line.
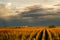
[(31, 12), (27, 2)]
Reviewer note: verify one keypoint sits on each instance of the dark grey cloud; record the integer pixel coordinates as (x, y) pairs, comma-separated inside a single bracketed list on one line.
[(36, 14), (33, 16)]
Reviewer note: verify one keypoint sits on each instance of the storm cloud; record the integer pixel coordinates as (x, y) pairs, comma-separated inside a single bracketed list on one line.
[(31, 15)]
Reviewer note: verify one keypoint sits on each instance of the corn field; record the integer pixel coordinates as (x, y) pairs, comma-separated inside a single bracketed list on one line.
[(30, 33)]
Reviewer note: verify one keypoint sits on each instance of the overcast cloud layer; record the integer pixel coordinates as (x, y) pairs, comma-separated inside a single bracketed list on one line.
[(29, 12), (31, 15), (32, 1)]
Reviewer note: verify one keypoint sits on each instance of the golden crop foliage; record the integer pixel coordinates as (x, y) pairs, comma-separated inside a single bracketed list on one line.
[(30, 33)]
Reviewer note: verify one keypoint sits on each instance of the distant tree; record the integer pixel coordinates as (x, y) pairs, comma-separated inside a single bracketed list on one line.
[(51, 26)]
